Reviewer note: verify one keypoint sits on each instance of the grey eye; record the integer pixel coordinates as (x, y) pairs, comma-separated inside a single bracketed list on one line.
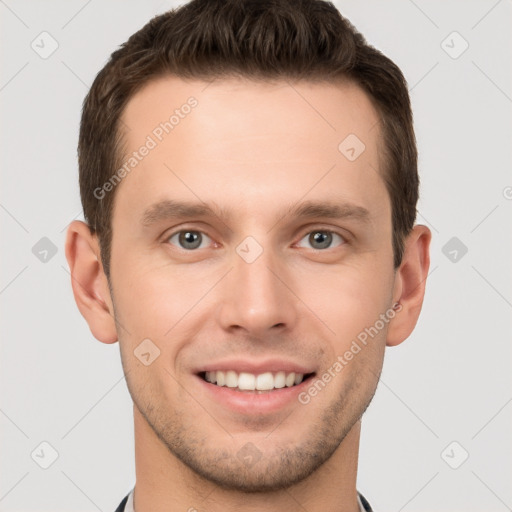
[(321, 238), (188, 239)]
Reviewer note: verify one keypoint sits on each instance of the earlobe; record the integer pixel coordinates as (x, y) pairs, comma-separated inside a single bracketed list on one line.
[(409, 287), (89, 283)]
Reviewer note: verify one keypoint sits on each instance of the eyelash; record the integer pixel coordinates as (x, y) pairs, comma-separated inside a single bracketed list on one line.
[(317, 230)]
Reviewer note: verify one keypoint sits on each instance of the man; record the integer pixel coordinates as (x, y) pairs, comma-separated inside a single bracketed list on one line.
[(248, 173)]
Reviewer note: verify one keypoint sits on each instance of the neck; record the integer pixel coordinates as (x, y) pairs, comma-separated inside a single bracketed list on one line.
[(164, 483)]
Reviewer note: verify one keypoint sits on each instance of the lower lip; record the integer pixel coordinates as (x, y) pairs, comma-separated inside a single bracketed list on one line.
[(249, 402)]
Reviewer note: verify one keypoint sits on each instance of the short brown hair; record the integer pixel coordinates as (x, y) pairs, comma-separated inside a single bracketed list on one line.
[(258, 39)]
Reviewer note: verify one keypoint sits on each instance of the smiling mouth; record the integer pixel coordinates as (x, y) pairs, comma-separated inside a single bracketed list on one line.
[(251, 383)]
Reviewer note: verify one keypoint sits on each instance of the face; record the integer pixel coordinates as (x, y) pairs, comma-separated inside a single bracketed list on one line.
[(250, 250)]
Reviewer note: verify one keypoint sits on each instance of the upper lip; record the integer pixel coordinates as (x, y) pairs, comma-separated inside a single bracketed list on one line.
[(256, 367)]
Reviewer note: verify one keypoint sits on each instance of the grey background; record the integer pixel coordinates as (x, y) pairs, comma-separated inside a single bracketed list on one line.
[(450, 381)]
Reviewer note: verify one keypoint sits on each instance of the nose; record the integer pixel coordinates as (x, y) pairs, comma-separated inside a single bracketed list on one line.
[(257, 296)]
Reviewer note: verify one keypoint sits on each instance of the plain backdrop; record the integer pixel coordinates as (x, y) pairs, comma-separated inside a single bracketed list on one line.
[(437, 436)]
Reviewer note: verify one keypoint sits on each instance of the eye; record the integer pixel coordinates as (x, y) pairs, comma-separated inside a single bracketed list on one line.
[(322, 238), (188, 239)]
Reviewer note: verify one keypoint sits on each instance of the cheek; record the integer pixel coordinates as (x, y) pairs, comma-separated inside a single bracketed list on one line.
[(152, 298), (347, 299), (351, 307)]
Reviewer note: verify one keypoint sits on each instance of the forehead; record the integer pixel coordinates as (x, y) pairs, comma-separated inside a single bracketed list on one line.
[(323, 109), (218, 139)]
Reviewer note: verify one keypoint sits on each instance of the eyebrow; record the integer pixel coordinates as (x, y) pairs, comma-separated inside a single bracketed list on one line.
[(170, 209)]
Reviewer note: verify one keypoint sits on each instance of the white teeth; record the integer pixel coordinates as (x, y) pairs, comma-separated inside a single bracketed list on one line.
[(250, 382), (279, 380), (231, 379), (265, 381), (247, 381), (221, 378), (290, 379)]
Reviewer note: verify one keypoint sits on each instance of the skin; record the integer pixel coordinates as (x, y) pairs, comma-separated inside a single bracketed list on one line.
[(251, 148)]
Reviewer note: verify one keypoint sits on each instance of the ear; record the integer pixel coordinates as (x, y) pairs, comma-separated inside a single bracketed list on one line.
[(409, 286), (89, 282)]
